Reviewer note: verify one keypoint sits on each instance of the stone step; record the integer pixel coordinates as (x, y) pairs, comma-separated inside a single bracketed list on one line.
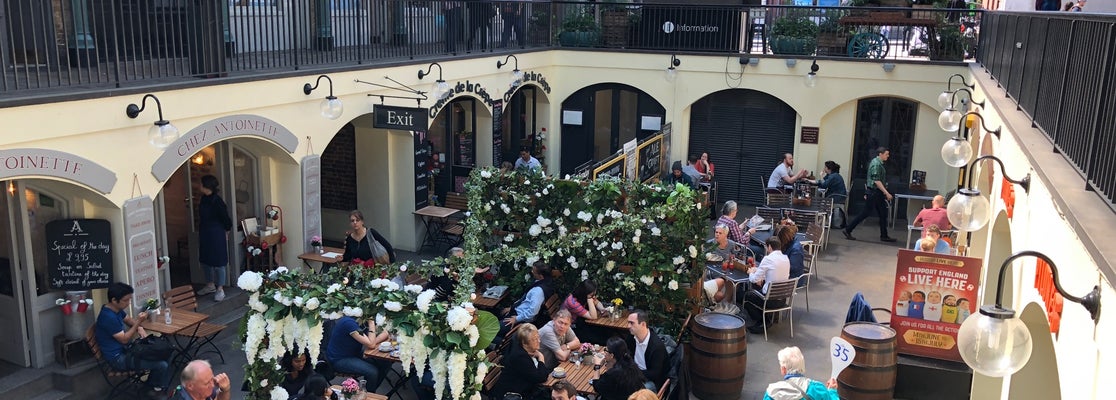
[(25, 383)]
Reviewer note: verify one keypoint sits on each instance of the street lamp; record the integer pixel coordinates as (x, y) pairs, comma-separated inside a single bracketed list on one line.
[(968, 210), (994, 342), (956, 151), (950, 118), (331, 105), (162, 133)]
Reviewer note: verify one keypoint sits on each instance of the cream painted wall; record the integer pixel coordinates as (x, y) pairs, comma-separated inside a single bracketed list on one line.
[(373, 176)]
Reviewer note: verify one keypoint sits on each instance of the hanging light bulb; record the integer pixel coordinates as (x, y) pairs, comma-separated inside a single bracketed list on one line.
[(812, 76), (968, 210), (162, 134), (332, 107), (944, 99), (956, 152), (949, 120), (995, 345)]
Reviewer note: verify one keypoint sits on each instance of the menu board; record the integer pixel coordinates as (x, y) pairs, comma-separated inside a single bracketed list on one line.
[(611, 168), (311, 199), (650, 159), (139, 231), (79, 253), (465, 156), (497, 133), (422, 170)]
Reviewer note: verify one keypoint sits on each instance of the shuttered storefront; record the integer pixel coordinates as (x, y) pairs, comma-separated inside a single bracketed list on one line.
[(745, 133)]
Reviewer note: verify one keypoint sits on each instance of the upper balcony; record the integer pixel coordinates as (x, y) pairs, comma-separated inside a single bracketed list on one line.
[(78, 49)]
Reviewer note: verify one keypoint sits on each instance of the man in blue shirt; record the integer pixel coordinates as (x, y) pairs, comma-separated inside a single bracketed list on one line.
[(345, 351), (526, 161), (527, 308), (114, 330)]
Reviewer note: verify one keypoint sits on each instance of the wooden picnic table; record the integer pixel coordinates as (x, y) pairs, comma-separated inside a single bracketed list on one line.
[(579, 376)]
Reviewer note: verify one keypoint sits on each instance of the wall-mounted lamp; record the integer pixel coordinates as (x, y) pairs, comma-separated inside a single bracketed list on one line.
[(994, 342), (944, 98), (753, 61), (331, 105), (441, 88), (968, 210), (950, 118), (812, 76), (671, 71), (888, 67), (160, 135), (956, 151), (517, 75), (791, 62)]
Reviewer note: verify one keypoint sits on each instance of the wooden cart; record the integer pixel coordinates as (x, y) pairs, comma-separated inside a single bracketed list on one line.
[(873, 44)]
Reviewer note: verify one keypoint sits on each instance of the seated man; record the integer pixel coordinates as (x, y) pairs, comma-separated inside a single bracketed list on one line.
[(934, 241), (444, 285), (676, 176), (345, 351), (115, 329), (528, 306), (782, 178), (564, 390), (647, 349), (795, 385), (557, 339), (775, 267), (527, 162), (691, 169), (199, 383), (935, 215)]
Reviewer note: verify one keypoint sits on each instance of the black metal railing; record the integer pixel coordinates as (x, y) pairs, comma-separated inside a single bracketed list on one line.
[(1060, 68), (52, 47)]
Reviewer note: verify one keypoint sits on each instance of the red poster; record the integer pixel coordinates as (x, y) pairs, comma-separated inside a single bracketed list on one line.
[(934, 293)]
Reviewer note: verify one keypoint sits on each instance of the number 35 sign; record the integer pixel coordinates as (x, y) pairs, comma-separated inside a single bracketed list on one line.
[(841, 354)]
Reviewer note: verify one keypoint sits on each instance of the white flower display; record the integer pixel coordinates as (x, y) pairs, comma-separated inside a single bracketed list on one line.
[(600, 218), (617, 246), (672, 285), (678, 260), (333, 288), (543, 222), (437, 362), (458, 363), (263, 382), (250, 281), (526, 181), (655, 231), (256, 330), (416, 289), (313, 303), (485, 174), (317, 333), (693, 251), (474, 335), (647, 280), (458, 318), (534, 230), (354, 312), (509, 238), (546, 192), (532, 259), (566, 212), (424, 299), (278, 393), (562, 230), (638, 233), (635, 239), (584, 274), (610, 265), (584, 216), (393, 306), (482, 371), (255, 304), (299, 301), (391, 286), (507, 210)]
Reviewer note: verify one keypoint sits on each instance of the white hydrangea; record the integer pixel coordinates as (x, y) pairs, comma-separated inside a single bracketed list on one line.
[(509, 238), (678, 260), (278, 393), (474, 335), (617, 246), (655, 231), (584, 216), (485, 174), (333, 288), (424, 299), (393, 306), (647, 280), (255, 304), (672, 285), (693, 251), (257, 329), (313, 303), (458, 318), (299, 301), (610, 265), (416, 289), (354, 312), (532, 259), (534, 230), (250, 281), (543, 222), (566, 212)]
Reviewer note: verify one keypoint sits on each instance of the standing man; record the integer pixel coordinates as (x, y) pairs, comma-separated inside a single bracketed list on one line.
[(935, 215), (783, 175), (648, 351), (512, 14), (876, 195), (199, 383), (526, 161)]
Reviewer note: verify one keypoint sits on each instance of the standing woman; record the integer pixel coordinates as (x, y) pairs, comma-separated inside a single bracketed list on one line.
[(358, 243), (213, 238)]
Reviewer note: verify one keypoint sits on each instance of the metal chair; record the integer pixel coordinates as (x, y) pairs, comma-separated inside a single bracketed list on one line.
[(770, 214), (782, 291), (808, 273)]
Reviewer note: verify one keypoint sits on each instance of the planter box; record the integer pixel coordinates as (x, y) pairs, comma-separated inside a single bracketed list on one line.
[(793, 46), (578, 39)]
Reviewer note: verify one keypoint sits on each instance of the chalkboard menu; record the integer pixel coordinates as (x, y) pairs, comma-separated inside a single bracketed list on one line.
[(422, 171), (79, 253), (650, 159), (466, 149), (497, 133), (611, 168)]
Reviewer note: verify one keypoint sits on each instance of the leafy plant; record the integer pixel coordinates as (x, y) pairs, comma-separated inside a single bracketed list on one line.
[(580, 22), (794, 26)]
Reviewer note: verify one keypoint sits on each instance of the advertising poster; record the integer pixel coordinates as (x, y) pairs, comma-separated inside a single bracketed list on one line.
[(934, 294)]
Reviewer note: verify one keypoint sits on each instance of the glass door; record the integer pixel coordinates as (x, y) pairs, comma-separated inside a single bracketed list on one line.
[(14, 347)]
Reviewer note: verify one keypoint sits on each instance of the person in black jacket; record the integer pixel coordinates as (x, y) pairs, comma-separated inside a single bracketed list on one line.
[(648, 350), (480, 19), (358, 245), (213, 238), (524, 366), (622, 377)]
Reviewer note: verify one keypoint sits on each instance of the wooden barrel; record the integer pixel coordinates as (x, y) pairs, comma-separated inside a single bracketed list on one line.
[(872, 372), (719, 355)]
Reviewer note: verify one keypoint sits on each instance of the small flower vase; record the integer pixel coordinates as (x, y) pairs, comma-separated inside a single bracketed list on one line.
[(319, 249)]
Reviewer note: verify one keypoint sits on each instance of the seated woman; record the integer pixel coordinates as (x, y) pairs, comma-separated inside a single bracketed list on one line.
[(722, 249), (832, 182), (794, 384), (358, 243), (296, 372), (792, 248), (583, 304), (524, 366), (622, 376)]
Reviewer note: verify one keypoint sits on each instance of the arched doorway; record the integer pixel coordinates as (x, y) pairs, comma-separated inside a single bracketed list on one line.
[(458, 136), (598, 120), (1039, 378), (745, 133), (518, 123), (888, 122)]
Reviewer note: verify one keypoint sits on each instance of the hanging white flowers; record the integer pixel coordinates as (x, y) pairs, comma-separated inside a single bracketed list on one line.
[(393, 306), (672, 285)]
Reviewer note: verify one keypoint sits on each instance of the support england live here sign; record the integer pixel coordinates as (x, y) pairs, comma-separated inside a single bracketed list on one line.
[(934, 294)]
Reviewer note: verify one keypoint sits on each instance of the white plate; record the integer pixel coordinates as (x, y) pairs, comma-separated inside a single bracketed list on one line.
[(713, 257)]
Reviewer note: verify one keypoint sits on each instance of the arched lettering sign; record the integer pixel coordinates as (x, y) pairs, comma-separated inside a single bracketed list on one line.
[(15, 163), (217, 130)]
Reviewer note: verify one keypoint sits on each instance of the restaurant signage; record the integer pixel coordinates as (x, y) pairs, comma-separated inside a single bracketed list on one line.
[(498, 133), (528, 77), (139, 232), (16, 163), (934, 294), (311, 199), (809, 135), (423, 152), (400, 118), (650, 160), (685, 27), (216, 130), (79, 253), (463, 87), (630, 153), (612, 168)]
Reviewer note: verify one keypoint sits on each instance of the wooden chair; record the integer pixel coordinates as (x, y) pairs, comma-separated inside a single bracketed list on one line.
[(778, 291), (125, 381), (778, 199), (183, 298), (490, 380), (508, 338), (457, 201)]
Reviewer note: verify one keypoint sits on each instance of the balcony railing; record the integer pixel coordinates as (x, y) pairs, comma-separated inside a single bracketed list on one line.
[(1060, 69), (58, 47)]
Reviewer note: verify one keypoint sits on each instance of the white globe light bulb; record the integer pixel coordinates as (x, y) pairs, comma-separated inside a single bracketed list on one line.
[(968, 210), (994, 347), (811, 79), (671, 74), (956, 152), (162, 134), (949, 120), (944, 99), (332, 107)]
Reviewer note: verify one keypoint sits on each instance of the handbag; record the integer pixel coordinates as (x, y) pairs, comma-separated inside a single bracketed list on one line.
[(379, 253), (151, 348)]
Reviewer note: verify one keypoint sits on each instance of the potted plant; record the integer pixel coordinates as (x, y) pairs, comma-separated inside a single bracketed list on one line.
[(579, 30), (947, 43), (794, 34)]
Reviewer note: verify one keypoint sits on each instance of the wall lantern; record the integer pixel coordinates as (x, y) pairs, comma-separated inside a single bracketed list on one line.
[(812, 76), (672, 71), (517, 75), (968, 210), (441, 88), (950, 118), (956, 151), (162, 133), (944, 98), (331, 105)]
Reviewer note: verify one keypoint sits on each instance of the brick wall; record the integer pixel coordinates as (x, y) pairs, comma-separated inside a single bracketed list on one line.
[(339, 169)]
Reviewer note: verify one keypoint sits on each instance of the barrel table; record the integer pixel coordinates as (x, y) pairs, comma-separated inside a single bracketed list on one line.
[(719, 355), (872, 372)]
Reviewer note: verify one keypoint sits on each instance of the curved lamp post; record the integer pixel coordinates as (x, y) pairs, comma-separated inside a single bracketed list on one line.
[(944, 98), (956, 151), (331, 105), (994, 342), (968, 210), (162, 133), (441, 88)]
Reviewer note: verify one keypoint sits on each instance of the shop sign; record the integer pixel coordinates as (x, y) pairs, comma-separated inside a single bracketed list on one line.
[(809, 135), (139, 231), (650, 160), (934, 294), (43, 162), (614, 168), (689, 28), (311, 199), (399, 118), (215, 131), (528, 77), (463, 87), (79, 253), (423, 167)]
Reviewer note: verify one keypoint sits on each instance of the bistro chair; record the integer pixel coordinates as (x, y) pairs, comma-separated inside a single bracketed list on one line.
[(119, 382), (778, 199), (813, 232), (183, 298), (774, 215), (808, 273), (779, 298)]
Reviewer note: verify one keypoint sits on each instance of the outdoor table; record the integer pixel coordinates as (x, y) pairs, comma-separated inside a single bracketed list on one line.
[(395, 379), (620, 323), (906, 193), (578, 376), (315, 256), (488, 303), (363, 396), (733, 277), (434, 219), (760, 237), (183, 323)]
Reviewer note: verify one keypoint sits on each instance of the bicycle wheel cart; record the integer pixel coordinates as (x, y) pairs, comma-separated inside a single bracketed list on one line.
[(871, 43)]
